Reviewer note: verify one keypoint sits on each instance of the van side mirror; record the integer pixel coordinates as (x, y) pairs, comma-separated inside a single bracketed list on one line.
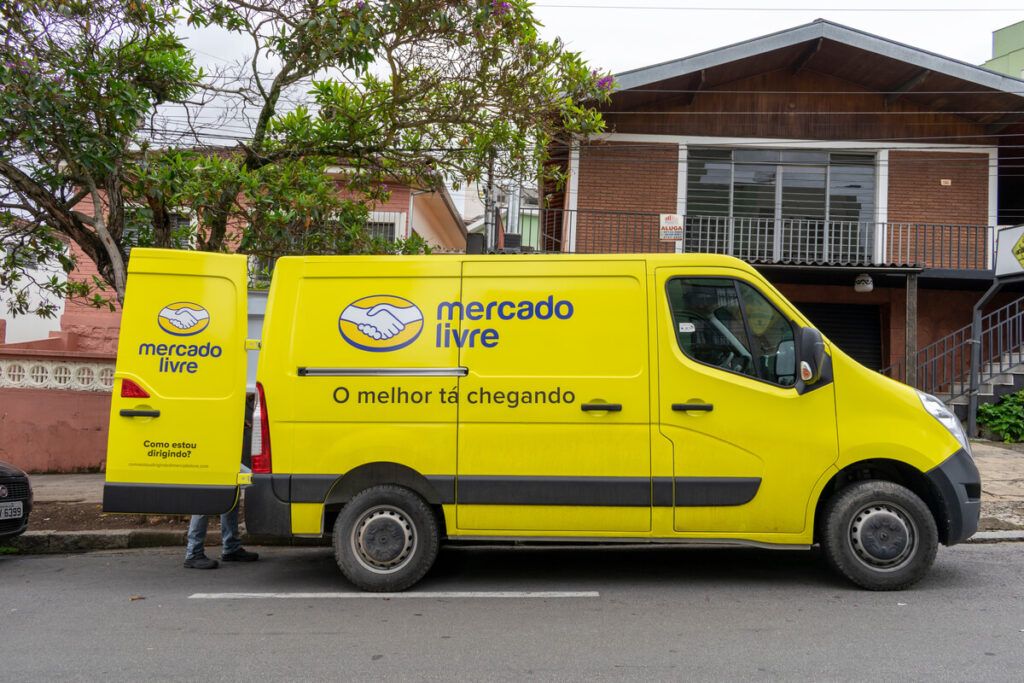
[(811, 354)]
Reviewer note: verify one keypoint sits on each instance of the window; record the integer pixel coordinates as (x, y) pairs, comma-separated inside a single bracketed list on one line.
[(381, 230), (138, 229), (386, 225), (783, 184), (765, 204), (730, 325)]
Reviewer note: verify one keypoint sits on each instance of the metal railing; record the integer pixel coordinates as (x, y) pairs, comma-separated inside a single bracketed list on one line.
[(944, 367), (767, 240), (1002, 340)]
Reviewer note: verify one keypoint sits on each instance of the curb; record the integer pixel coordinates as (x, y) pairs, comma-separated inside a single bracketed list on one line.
[(50, 542), (997, 537), (62, 542), (58, 542)]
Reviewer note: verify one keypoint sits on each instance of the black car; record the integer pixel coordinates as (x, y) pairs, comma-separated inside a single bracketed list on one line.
[(15, 501)]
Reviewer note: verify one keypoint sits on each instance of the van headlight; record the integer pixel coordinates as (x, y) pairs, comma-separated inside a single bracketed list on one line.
[(940, 412)]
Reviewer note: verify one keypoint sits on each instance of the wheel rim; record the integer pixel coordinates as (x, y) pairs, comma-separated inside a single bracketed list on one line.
[(383, 539), (883, 536)]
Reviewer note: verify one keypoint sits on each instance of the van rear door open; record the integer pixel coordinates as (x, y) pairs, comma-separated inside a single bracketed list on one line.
[(177, 412)]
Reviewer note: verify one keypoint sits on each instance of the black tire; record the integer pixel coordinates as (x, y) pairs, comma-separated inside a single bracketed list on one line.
[(879, 535), (385, 539)]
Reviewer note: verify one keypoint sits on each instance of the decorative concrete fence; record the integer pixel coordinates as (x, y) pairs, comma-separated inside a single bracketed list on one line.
[(54, 408)]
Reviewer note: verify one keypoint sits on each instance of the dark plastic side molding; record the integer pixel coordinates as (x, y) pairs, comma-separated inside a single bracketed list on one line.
[(168, 499)]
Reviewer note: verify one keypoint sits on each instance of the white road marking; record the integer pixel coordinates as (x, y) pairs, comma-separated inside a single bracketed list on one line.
[(399, 596)]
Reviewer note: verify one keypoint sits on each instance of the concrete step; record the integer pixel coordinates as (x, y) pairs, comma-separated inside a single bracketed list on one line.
[(1004, 369), (985, 389)]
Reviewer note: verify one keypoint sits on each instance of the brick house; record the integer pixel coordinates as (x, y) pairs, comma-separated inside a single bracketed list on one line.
[(819, 154)]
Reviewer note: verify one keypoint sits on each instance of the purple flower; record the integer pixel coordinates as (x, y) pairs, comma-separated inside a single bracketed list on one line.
[(500, 8), (606, 83)]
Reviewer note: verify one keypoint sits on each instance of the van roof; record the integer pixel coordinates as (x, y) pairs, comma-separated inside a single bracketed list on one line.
[(678, 260)]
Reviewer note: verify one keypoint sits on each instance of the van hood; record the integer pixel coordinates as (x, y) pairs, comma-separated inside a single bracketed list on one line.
[(880, 418)]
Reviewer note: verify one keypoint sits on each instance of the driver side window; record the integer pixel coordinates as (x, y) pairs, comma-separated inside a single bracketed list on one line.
[(730, 325)]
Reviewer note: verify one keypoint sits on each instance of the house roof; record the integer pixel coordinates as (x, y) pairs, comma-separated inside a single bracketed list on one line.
[(870, 61)]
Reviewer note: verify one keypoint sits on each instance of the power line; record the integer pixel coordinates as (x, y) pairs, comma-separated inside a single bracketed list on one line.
[(904, 93), (706, 8), (808, 113)]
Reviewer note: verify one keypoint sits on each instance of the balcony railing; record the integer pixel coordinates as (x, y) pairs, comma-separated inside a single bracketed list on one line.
[(768, 240)]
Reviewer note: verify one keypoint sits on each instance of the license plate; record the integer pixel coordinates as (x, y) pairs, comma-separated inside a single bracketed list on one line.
[(11, 510)]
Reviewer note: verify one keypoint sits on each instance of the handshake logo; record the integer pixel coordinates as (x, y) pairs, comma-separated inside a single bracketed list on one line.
[(183, 319), (381, 323)]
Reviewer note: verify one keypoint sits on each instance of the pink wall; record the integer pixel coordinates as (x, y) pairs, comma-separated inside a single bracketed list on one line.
[(53, 431)]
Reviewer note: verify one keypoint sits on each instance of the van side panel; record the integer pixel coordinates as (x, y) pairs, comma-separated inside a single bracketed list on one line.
[(351, 371), (554, 339)]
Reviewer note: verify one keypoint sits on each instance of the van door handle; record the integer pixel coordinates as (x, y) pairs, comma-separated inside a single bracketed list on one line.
[(125, 412), (687, 407), (605, 407)]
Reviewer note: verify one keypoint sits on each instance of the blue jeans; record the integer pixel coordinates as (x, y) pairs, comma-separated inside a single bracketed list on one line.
[(231, 540)]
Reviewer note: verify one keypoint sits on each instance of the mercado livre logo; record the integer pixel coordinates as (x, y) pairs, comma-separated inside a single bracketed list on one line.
[(381, 322), (183, 319)]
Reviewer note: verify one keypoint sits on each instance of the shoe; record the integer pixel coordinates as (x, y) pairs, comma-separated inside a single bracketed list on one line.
[(240, 555), (201, 562)]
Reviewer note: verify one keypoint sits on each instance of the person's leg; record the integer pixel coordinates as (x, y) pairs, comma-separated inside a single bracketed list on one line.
[(195, 555), (230, 539), (196, 537)]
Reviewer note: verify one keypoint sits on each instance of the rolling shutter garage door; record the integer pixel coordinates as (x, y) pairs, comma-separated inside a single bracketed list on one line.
[(856, 328)]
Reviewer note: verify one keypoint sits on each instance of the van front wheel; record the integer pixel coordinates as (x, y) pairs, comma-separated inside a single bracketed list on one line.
[(880, 535), (385, 539)]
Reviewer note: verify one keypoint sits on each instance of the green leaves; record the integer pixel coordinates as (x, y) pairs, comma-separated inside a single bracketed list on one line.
[(347, 98), (77, 83), (1005, 418)]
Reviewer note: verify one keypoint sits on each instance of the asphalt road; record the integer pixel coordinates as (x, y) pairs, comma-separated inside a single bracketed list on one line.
[(651, 614)]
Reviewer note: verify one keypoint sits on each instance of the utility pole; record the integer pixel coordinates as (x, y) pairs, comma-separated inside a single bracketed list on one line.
[(490, 228)]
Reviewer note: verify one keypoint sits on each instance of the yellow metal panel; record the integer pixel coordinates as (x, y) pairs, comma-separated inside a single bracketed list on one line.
[(881, 418), (756, 430), (521, 519), (182, 340), (307, 518), (331, 424), (564, 333)]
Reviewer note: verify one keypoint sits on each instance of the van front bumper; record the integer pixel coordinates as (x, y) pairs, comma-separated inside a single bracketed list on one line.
[(959, 484)]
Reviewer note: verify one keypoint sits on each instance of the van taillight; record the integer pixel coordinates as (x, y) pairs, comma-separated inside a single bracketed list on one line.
[(130, 389), (261, 463)]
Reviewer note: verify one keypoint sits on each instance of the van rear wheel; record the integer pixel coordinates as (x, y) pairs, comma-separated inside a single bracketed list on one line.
[(879, 535), (385, 539)]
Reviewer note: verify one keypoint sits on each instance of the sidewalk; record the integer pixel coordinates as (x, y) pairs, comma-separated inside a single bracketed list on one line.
[(1002, 512)]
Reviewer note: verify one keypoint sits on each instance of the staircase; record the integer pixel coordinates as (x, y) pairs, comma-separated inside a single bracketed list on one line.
[(1006, 376), (944, 367)]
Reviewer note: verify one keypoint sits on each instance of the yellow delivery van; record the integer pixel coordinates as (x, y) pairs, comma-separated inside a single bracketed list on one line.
[(403, 402)]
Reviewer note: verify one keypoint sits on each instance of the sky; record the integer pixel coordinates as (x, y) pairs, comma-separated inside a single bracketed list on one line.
[(632, 37), (619, 35), (627, 35)]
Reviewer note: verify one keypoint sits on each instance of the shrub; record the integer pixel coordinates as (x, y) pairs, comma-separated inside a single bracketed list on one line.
[(1005, 418)]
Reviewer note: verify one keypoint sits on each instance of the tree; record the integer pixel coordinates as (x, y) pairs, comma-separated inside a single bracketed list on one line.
[(76, 81), (413, 91)]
